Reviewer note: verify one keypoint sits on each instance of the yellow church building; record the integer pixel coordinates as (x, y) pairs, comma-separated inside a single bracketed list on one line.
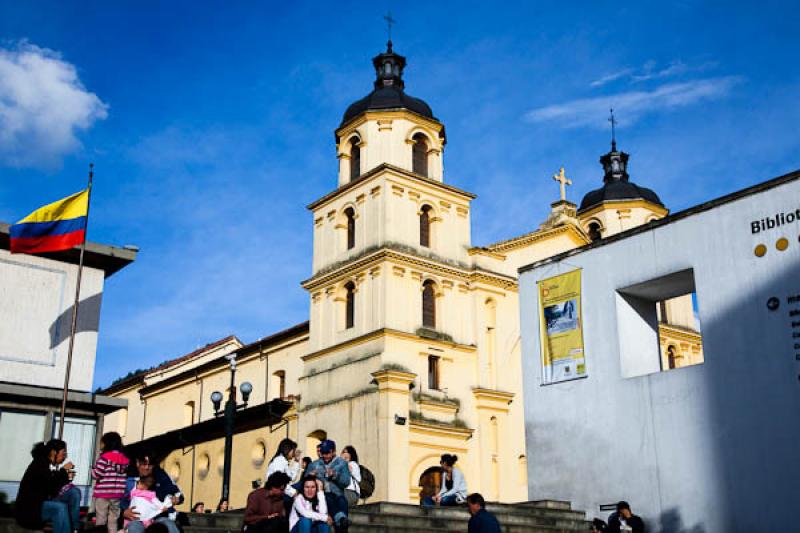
[(412, 346)]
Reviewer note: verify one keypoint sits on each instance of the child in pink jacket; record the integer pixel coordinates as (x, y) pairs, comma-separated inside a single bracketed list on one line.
[(109, 471)]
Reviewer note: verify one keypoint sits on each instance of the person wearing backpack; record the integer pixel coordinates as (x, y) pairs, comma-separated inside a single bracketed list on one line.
[(353, 491)]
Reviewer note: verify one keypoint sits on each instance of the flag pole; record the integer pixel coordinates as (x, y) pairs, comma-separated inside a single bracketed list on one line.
[(75, 307)]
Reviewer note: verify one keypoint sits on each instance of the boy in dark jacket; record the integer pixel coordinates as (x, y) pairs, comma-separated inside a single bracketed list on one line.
[(482, 521)]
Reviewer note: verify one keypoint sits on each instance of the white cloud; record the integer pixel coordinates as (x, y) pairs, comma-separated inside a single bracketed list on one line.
[(608, 78), (675, 68), (43, 105), (633, 104)]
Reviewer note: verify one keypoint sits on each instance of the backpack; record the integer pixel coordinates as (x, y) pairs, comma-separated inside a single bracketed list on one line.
[(367, 483)]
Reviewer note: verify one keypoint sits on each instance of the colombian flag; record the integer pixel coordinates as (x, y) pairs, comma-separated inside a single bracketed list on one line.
[(57, 226)]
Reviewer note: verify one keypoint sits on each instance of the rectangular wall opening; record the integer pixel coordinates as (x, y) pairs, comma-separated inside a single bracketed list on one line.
[(658, 325)]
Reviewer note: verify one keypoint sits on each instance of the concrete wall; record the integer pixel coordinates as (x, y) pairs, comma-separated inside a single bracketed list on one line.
[(710, 447), (36, 299)]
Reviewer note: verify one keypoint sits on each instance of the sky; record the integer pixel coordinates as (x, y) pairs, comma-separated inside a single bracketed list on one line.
[(211, 123)]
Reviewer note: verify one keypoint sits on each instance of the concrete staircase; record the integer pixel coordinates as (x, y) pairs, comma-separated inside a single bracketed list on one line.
[(529, 517)]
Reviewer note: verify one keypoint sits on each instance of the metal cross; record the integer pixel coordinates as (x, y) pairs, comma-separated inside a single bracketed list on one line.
[(563, 181), (613, 122), (389, 21)]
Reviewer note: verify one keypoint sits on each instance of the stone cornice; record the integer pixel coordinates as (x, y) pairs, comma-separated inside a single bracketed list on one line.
[(623, 204), (378, 171), (493, 400), (351, 126), (534, 236), (680, 333), (391, 253), (439, 430), (387, 332)]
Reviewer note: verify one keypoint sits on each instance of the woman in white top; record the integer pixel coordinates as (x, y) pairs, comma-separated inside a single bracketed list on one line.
[(309, 510), (353, 491), (286, 461), (454, 486)]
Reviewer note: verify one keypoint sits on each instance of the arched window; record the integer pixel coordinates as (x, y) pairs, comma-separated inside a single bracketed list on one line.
[(355, 159), (429, 305), (594, 231), (420, 155), (351, 227), (350, 305), (425, 226), (671, 357)]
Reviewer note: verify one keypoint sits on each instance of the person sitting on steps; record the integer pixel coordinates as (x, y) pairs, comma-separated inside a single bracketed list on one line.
[(454, 486), (310, 512)]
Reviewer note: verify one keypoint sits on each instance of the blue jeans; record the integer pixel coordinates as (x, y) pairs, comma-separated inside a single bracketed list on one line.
[(337, 507), (447, 501), (306, 525), (138, 527), (64, 511)]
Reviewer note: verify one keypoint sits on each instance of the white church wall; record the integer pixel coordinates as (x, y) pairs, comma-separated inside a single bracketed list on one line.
[(710, 447), (36, 300)]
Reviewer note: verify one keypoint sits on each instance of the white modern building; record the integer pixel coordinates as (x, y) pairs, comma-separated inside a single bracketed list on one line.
[(708, 447), (36, 297)]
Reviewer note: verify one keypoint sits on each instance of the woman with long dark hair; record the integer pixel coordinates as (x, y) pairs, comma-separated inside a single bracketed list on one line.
[(309, 510), (46, 493), (353, 491)]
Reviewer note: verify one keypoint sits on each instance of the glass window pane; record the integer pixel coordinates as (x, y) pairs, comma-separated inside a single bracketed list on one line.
[(18, 433)]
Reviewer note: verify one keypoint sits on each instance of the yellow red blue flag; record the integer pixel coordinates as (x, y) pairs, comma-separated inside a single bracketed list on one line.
[(57, 226)]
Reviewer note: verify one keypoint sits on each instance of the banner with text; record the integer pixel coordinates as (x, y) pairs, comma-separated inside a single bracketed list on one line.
[(561, 328)]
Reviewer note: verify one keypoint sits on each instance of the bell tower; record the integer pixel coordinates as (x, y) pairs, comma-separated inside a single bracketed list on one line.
[(389, 126), (390, 300)]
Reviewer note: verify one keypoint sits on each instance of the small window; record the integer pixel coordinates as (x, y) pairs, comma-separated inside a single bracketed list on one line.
[(425, 227), (279, 384), (351, 227), (594, 232), (350, 306), (658, 325), (429, 305), (433, 372), (420, 155), (355, 159)]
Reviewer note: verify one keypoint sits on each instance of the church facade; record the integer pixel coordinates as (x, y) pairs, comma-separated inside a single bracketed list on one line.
[(412, 347)]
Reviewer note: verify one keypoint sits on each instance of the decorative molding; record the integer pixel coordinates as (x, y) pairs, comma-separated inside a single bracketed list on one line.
[(624, 204), (375, 191), (432, 266), (385, 169), (462, 211), (387, 332), (534, 236), (360, 198)]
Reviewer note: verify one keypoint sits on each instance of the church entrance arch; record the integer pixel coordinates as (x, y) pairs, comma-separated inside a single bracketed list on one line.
[(430, 482), (312, 440)]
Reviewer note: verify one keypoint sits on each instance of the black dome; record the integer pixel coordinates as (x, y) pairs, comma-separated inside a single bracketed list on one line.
[(618, 190), (389, 88), (616, 182), (389, 97)]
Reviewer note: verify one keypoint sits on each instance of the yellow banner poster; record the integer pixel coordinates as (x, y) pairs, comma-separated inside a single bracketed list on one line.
[(561, 328)]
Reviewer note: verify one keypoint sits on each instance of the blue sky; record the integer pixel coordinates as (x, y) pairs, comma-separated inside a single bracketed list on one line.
[(211, 127)]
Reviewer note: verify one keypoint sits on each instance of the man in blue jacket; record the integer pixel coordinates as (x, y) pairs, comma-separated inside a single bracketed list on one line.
[(482, 521), (146, 465), (334, 473)]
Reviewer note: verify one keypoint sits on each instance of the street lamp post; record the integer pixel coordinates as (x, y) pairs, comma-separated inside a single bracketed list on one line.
[(229, 415)]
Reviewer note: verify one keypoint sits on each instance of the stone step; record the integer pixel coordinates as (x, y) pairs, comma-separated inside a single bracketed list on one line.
[(454, 512), (410, 516), (458, 521)]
